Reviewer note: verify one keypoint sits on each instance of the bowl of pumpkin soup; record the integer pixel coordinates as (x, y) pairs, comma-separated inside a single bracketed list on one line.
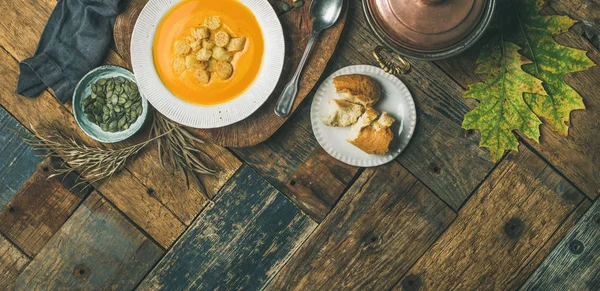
[(206, 63)]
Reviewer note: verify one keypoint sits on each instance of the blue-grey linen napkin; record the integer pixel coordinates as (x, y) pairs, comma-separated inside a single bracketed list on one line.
[(75, 40)]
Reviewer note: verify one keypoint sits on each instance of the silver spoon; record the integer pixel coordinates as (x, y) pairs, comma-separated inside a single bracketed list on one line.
[(324, 14)]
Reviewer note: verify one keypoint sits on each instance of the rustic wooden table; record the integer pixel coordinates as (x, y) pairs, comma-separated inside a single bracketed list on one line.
[(288, 216)]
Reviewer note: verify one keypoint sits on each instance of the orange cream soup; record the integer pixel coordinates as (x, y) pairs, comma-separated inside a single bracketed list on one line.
[(237, 20)]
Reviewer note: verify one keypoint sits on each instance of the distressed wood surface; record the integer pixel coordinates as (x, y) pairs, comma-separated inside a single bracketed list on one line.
[(150, 191), (239, 242), (17, 161), (300, 168), (496, 234), (263, 123), (380, 227), (96, 249), (574, 264), (40, 208), (12, 263), (577, 156)]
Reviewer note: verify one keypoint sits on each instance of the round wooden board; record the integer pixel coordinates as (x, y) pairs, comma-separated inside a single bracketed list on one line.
[(263, 123)]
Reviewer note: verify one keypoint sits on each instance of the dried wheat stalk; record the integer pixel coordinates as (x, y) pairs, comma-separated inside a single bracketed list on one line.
[(92, 163), (178, 146)]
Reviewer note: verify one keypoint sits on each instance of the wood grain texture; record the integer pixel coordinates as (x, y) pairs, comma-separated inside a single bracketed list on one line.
[(12, 263), (263, 123), (577, 156), (123, 189), (17, 161), (499, 230), (237, 243), (441, 154), (379, 228), (586, 11), (575, 263), (293, 162), (162, 193), (40, 208), (96, 249), (525, 272)]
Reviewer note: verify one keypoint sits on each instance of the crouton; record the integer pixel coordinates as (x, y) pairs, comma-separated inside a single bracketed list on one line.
[(222, 38), (202, 76), (201, 32), (221, 54), (212, 64), (204, 54), (179, 65), (237, 44), (182, 47), (208, 44), (213, 22), (224, 70), (191, 63)]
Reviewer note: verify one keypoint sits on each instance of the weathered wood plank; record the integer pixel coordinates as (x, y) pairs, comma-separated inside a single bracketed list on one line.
[(499, 230), (12, 263), (96, 249), (576, 156), (441, 154), (123, 189), (379, 228), (524, 273), (17, 161), (586, 11), (40, 208), (239, 242), (293, 162), (19, 34), (575, 263)]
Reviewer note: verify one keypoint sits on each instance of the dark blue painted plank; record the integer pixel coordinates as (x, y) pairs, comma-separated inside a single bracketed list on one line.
[(239, 242), (17, 160), (96, 249)]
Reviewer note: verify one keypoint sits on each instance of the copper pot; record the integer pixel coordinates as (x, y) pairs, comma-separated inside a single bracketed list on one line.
[(429, 29)]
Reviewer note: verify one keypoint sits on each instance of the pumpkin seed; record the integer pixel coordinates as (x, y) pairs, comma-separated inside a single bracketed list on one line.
[(128, 104), (91, 117), (122, 121), (102, 82), (285, 7), (86, 101), (122, 100), (298, 3), (117, 109), (115, 100)]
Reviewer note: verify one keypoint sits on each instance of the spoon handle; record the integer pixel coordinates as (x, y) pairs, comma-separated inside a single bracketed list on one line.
[(286, 100)]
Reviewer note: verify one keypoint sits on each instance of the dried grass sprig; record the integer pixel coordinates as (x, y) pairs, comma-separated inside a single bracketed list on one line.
[(177, 147), (93, 163)]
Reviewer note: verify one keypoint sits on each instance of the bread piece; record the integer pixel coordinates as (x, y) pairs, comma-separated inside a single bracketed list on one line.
[(208, 44), (213, 22), (221, 54), (372, 135), (341, 113), (222, 38), (202, 76), (212, 65), (201, 32), (179, 65), (204, 54), (237, 44), (224, 70), (358, 89), (182, 47)]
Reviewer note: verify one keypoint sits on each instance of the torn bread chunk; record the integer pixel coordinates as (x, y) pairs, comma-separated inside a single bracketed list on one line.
[(201, 32), (341, 113), (358, 89), (371, 134), (213, 22)]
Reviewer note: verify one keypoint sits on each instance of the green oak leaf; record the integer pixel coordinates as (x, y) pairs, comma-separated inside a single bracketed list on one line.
[(502, 107), (551, 61)]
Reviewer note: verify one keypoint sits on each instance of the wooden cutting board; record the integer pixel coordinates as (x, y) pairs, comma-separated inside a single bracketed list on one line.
[(263, 123)]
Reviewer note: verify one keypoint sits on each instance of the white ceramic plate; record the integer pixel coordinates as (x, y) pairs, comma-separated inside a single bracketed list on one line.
[(196, 115), (395, 99)]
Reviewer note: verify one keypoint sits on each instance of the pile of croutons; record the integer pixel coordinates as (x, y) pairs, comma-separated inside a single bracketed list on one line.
[(208, 49)]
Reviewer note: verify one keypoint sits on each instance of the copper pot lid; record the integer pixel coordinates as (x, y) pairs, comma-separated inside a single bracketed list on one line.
[(426, 25)]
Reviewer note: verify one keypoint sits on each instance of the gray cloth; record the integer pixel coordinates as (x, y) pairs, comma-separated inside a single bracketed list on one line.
[(75, 40)]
